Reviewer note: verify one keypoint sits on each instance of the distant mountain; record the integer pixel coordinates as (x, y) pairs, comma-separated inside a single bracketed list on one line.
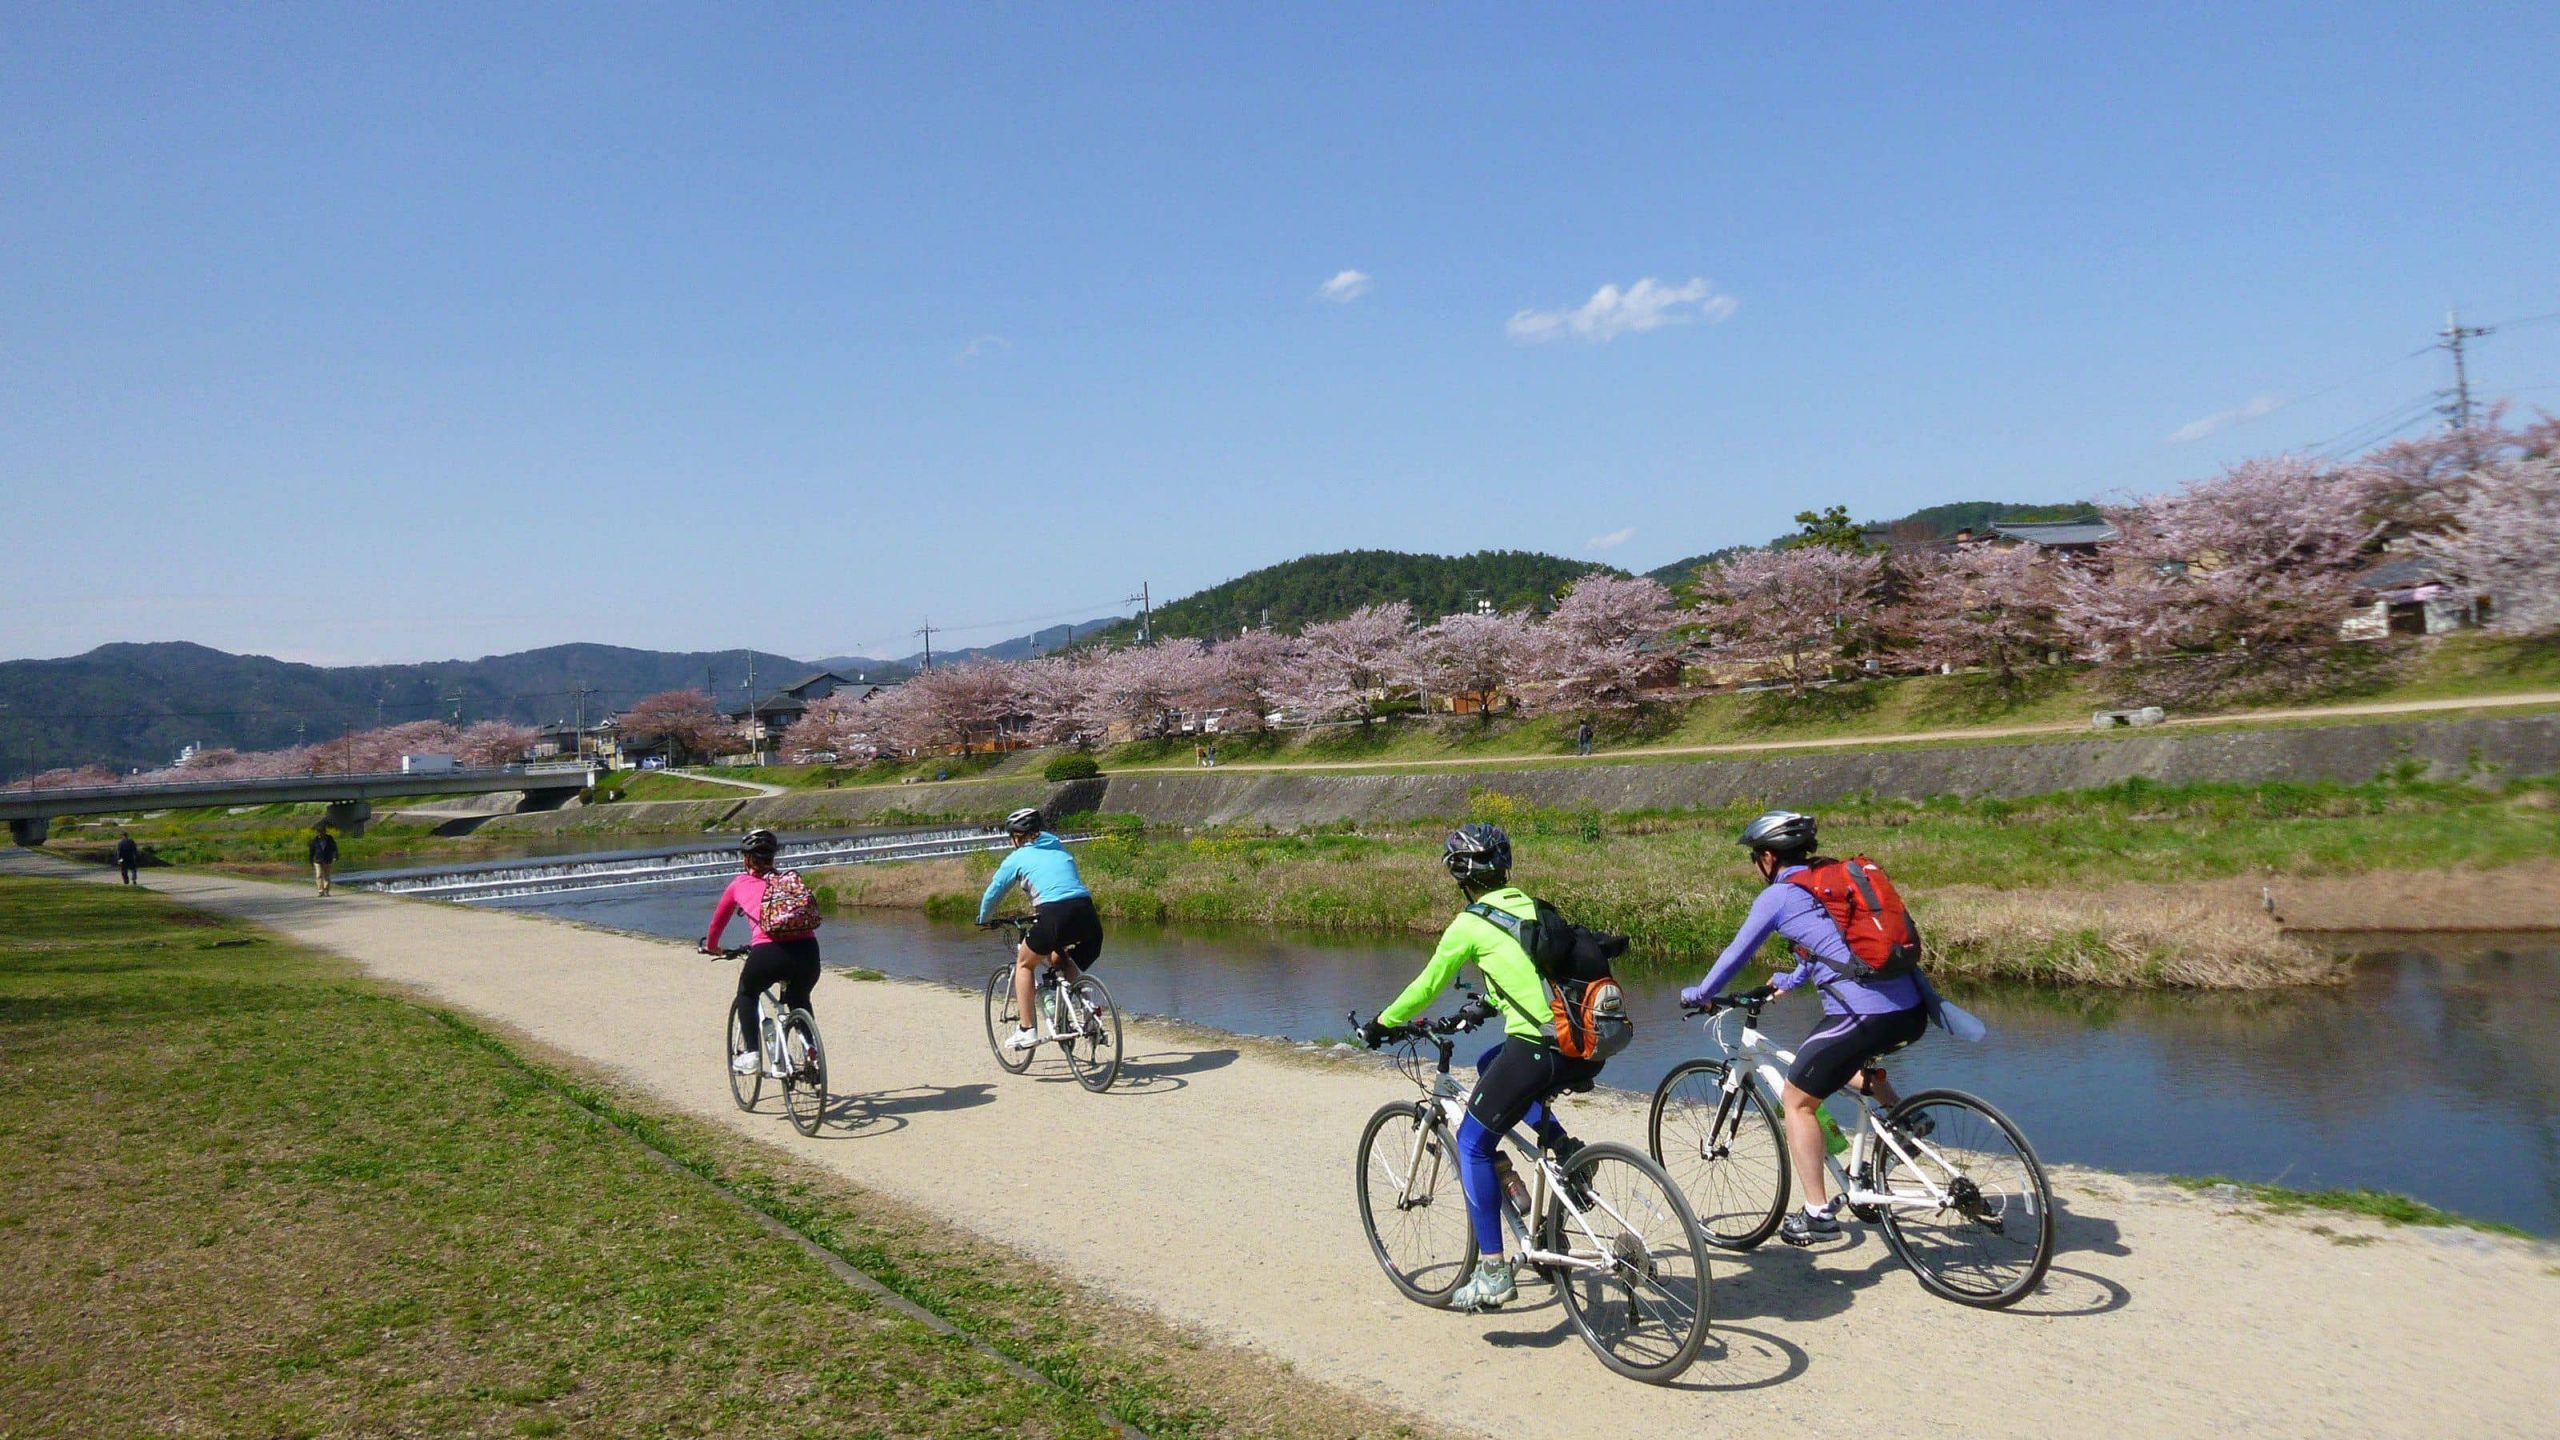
[(1936, 522), (1299, 592)]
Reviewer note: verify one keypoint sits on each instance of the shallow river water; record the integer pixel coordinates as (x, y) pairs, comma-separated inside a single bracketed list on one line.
[(2436, 1072)]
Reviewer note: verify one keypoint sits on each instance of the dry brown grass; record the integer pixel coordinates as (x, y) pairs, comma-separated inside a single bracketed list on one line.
[(2138, 936)]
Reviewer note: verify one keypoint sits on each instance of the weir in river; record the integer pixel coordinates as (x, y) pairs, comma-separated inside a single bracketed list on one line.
[(622, 869)]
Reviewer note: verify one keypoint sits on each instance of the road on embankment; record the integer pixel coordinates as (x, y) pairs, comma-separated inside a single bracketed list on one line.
[(2237, 720), (1215, 1186)]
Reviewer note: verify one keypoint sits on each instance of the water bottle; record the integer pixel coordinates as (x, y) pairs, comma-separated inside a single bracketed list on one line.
[(1514, 1189), (1834, 1140)]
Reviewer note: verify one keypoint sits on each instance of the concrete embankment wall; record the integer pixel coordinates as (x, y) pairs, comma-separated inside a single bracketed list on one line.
[(2442, 749), (2484, 749)]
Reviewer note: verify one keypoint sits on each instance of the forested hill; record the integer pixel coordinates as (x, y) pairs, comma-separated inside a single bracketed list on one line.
[(1326, 587), (1933, 523), (129, 705)]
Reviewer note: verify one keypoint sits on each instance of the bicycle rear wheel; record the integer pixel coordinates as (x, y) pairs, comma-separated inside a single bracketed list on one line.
[(1003, 1018), (1411, 1206), (1645, 1315), (745, 1089), (1990, 1240), (1724, 1150), (804, 1079), (1094, 1053)]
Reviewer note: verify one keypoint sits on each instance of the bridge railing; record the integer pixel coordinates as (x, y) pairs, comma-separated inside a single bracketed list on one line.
[(155, 789)]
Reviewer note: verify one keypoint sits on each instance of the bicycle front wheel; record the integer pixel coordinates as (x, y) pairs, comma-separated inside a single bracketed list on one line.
[(1093, 1052), (1987, 1235), (745, 1089), (1724, 1150), (1411, 1205), (804, 1079), (1640, 1297), (1003, 1018)]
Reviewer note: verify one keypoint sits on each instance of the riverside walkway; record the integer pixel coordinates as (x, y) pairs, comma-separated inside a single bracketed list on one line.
[(1214, 1185)]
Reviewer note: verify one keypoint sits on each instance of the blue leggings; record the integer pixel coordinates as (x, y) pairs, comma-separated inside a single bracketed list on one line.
[(1513, 1080)]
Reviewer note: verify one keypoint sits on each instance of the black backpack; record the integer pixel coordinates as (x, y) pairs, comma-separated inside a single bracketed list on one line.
[(1585, 1007)]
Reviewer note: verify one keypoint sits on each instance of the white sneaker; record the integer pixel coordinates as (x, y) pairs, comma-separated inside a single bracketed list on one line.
[(1024, 1039), (743, 1063)]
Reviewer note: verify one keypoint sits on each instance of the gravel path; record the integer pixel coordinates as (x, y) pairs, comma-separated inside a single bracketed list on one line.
[(1215, 1187)]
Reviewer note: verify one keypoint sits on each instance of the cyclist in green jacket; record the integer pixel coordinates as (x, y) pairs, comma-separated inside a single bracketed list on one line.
[(1514, 1078)]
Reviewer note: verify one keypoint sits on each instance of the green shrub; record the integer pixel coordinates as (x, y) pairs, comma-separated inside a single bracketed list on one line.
[(1070, 767)]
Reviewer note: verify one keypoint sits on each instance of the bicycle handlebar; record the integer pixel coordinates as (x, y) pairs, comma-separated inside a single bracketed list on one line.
[(1005, 922), (1469, 1016), (737, 953), (1752, 1001)]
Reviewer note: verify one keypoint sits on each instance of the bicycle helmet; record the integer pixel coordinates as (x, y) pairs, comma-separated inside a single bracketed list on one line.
[(760, 842), (1783, 831), (1477, 854), (1025, 821)]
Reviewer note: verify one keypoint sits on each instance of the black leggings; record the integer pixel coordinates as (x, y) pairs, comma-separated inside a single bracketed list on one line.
[(794, 962)]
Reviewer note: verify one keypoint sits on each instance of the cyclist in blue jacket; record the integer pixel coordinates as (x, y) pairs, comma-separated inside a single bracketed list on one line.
[(1065, 931)]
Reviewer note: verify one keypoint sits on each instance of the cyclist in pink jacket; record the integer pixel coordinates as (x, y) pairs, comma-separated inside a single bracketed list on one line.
[(791, 959)]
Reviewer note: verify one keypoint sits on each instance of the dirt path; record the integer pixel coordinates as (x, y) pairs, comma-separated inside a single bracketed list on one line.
[(1908, 737), (1215, 1187), (753, 787)]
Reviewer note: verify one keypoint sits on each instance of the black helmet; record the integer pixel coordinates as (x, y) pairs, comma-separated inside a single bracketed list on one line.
[(1477, 854), (760, 842), (1025, 821), (1783, 831)]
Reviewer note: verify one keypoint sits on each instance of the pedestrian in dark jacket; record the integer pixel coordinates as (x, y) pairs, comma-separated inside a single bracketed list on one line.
[(128, 859), (324, 854), (1582, 738)]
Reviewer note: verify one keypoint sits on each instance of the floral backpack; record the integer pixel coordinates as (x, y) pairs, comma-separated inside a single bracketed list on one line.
[(788, 907)]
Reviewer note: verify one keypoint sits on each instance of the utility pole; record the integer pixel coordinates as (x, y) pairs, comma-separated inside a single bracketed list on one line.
[(455, 700), (1146, 612), (578, 741), (926, 630), (2457, 407)]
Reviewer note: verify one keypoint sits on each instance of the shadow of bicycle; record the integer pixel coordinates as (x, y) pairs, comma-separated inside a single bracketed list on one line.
[(1161, 1072), (1735, 1358), (857, 1117)]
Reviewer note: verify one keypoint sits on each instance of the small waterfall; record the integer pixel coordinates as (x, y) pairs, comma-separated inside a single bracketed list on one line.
[(499, 880)]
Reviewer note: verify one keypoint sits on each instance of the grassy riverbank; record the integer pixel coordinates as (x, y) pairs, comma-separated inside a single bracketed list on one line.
[(2133, 885), (243, 1191)]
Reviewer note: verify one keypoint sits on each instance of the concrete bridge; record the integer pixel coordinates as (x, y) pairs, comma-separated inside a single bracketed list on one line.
[(350, 798)]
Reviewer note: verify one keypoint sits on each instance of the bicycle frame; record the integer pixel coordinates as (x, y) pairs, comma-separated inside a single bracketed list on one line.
[(1443, 1095), (1755, 1060), (1045, 984)]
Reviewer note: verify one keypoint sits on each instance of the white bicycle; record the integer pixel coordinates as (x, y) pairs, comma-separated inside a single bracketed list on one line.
[(1955, 1187), (789, 1053), (1079, 1018), (1606, 1226)]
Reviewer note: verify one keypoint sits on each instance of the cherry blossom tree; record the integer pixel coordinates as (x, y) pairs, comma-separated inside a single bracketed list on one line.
[(1803, 604), (2253, 563), (840, 725), (951, 707), (1476, 658), (1051, 697), (2501, 544), (1143, 688), (494, 742), (1980, 606), (1244, 677), (68, 778), (682, 721), (1591, 653), (1344, 668)]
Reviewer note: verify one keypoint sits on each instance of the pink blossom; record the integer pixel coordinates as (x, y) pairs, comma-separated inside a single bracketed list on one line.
[(1345, 668), (2501, 544), (1798, 605)]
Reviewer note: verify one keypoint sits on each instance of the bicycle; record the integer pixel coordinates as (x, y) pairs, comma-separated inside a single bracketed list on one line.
[(1606, 1227), (789, 1053), (1080, 1018), (1956, 1189)]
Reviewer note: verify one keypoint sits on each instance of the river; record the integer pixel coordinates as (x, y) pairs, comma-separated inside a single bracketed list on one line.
[(2433, 1073)]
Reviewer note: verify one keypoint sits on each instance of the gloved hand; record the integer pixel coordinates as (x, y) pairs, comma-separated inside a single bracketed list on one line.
[(1696, 996), (1373, 1034)]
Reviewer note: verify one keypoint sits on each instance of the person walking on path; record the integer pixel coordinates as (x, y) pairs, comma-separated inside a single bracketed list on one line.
[(128, 859), (324, 855), (1582, 738)]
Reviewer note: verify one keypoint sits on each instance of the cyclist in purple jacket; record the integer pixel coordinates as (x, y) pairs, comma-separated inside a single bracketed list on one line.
[(1863, 1018)]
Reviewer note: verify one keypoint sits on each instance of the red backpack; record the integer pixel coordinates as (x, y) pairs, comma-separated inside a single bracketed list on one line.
[(1869, 912)]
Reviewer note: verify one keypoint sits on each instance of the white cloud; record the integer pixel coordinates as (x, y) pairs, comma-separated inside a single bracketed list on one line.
[(1610, 541), (2198, 429), (1611, 312), (1346, 287), (983, 346)]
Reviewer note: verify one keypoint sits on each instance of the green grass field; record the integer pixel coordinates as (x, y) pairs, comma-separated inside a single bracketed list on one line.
[(244, 1192)]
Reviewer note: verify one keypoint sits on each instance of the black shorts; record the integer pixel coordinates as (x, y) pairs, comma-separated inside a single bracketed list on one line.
[(1846, 1044), (1072, 928), (1518, 1074)]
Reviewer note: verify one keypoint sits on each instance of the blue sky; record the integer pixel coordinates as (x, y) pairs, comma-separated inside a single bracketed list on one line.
[(361, 333)]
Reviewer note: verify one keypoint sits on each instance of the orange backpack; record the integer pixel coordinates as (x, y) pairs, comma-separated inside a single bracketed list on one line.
[(1870, 914)]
